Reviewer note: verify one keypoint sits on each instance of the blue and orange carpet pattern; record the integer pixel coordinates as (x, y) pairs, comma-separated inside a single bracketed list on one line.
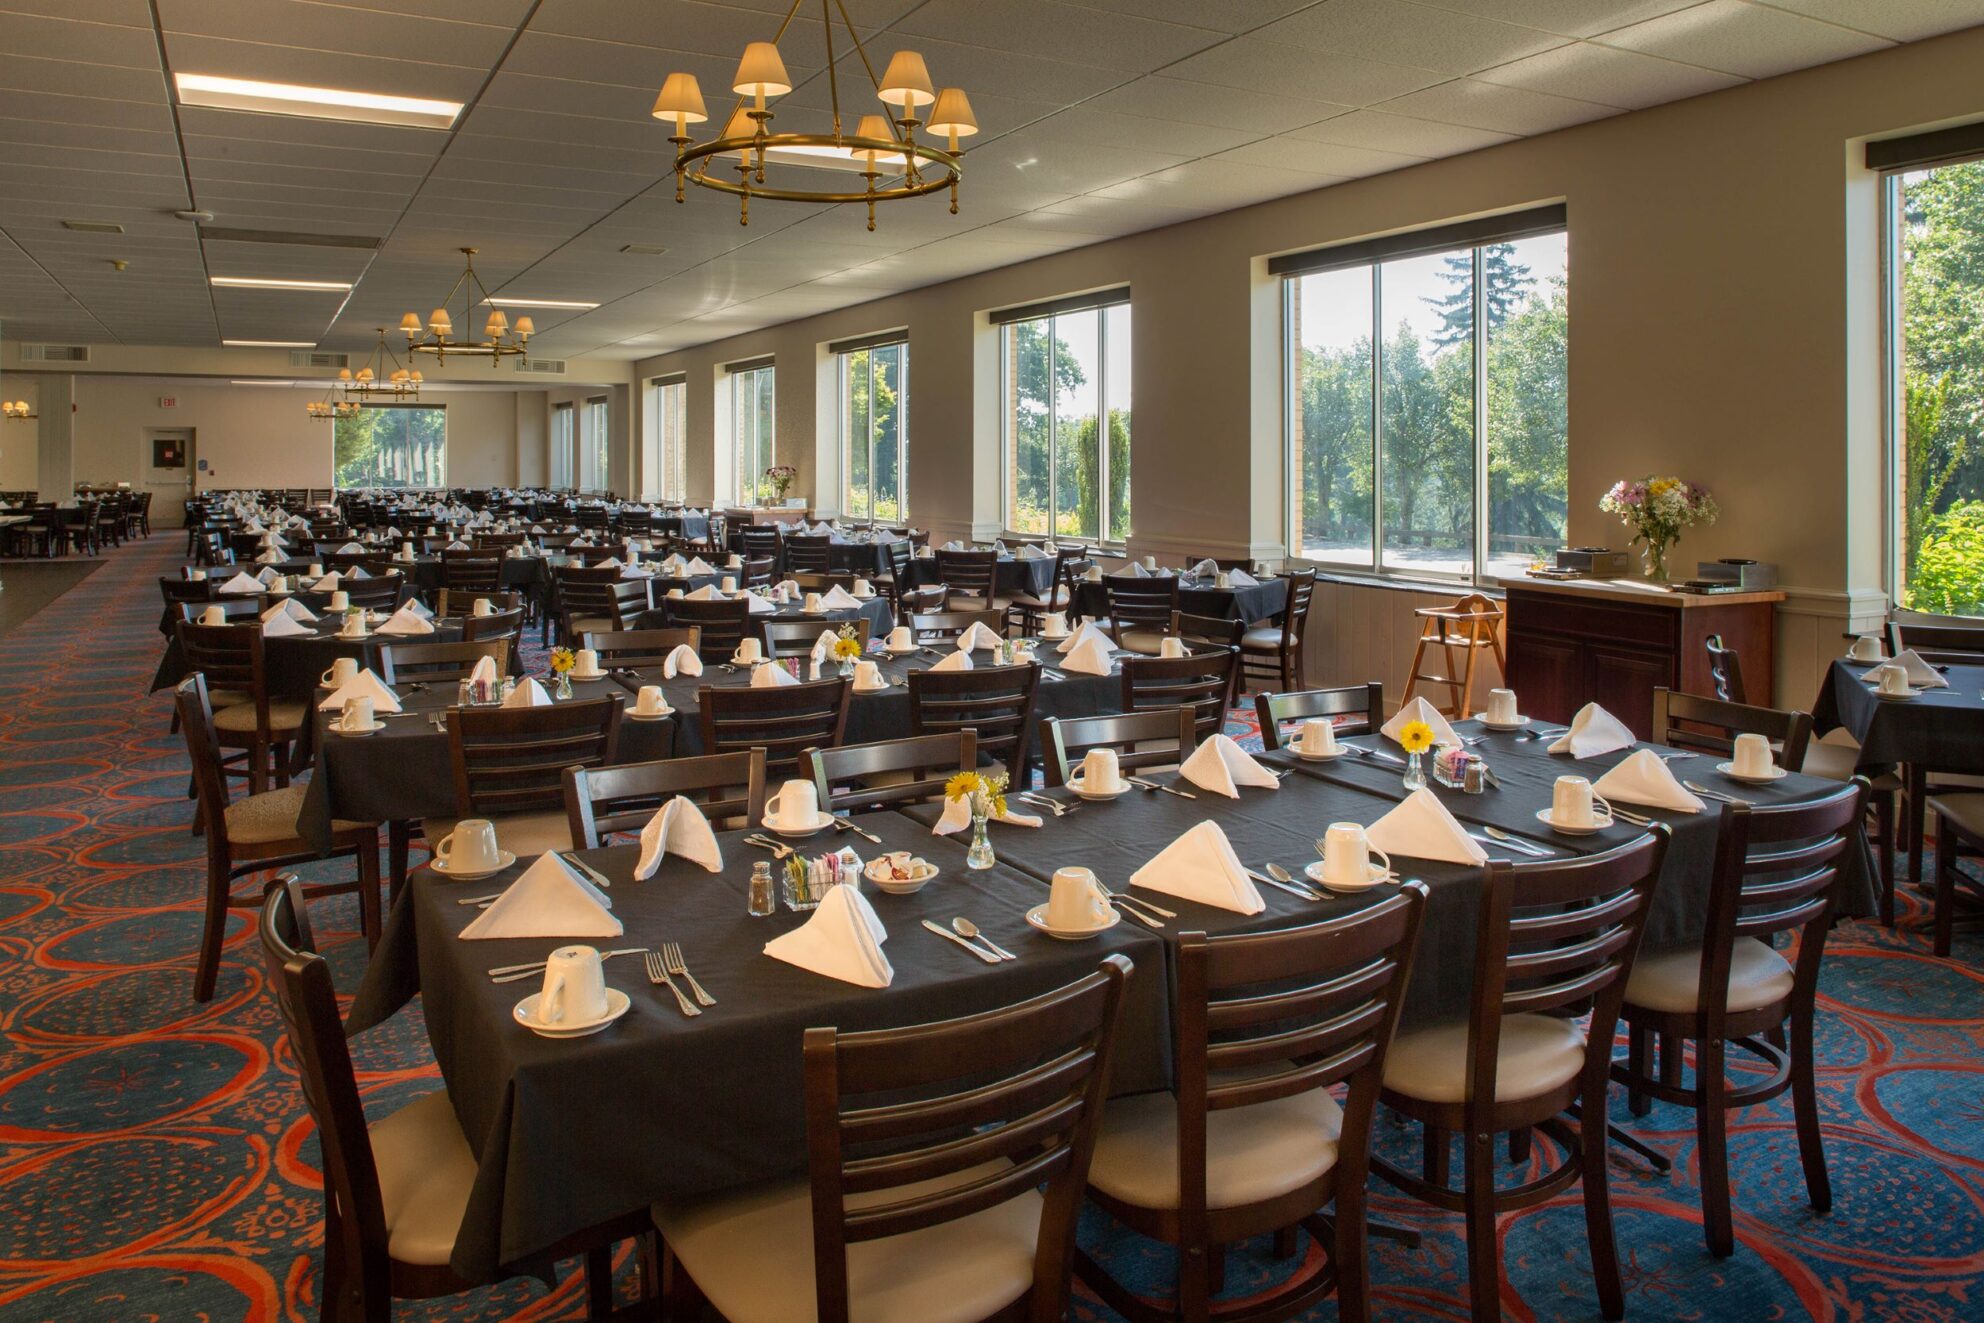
[(156, 1161)]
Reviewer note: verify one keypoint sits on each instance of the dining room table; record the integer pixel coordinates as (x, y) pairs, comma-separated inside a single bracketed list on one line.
[(1198, 596)]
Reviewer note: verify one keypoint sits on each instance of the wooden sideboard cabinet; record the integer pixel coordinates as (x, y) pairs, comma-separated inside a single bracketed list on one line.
[(1614, 641)]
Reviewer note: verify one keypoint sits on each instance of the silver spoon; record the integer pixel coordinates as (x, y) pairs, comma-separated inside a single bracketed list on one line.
[(1280, 874), (968, 930)]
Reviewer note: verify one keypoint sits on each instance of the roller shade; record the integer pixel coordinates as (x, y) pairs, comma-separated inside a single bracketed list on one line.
[(1416, 243), (1101, 298)]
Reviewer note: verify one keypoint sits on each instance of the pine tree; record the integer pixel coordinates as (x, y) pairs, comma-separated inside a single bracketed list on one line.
[(1507, 281)]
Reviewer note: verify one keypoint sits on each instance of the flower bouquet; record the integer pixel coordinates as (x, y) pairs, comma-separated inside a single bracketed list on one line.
[(1657, 509), (985, 796), (779, 478)]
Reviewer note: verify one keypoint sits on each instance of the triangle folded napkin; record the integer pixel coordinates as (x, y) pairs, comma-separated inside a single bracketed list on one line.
[(1031, 552), (610, 563), (1242, 579), (707, 593), (678, 828), (1593, 731), (550, 900), (1420, 710), (697, 565), (977, 637), (1920, 673), (360, 572), (1087, 631), (758, 606), (457, 545), (842, 940), (1093, 657), (956, 661), (528, 693), (280, 626), (1201, 866), (785, 589), (363, 685), (1131, 570), (269, 557), (405, 621), (838, 598), (1645, 778), (770, 676), (1205, 569), (682, 661), (1221, 766), (673, 567), (419, 608), (823, 646), (242, 584), (1422, 828), (953, 545), (957, 816), (351, 549), (330, 583), (484, 671), (292, 608)]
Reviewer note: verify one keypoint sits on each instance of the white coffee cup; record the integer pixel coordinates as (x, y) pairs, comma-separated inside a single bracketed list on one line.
[(1150, 562), (1866, 648), (749, 650), (1076, 901), (470, 847), (1573, 803), (676, 594), (195, 576), (343, 671), (1318, 736), (735, 562), (649, 702), (316, 570), (484, 607), (1055, 625), (798, 805), (1752, 756), (813, 606), (1502, 707), (1100, 772), (213, 615), (1171, 646), (901, 639), (340, 600), (354, 626), (1222, 580), (1347, 855), (406, 551), (867, 675), (729, 584), (357, 714), (1893, 679), (862, 588), (574, 987), (587, 662)]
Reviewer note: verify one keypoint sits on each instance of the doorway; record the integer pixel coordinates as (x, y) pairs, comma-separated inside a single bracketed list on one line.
[(169, 469)]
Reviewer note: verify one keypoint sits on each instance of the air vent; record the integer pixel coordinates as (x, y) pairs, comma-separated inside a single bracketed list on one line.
[(317, 358), (643, 249), (223, 235), (93, 227), (57, 354), (550, 366)]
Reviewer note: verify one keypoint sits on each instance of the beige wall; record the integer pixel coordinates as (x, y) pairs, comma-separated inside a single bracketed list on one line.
[(623, 433), (20, 464)]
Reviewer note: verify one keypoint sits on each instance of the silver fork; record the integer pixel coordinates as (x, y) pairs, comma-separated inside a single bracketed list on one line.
[(768, 843), (671, 958), (658, 974)]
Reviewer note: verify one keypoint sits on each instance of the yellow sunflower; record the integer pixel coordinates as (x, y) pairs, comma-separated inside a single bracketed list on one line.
[(964, 783), (1417, 737)]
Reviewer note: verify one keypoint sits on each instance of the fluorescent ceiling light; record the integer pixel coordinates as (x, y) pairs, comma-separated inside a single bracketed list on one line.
[(258, 282), (261, 383), (314, 102), (505, 301), (269, 344)]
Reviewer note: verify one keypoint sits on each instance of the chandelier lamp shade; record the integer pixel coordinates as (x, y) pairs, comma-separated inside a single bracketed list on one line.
[(382, 375), (18, 411), (882, 149), (500, 339), (331, 407)]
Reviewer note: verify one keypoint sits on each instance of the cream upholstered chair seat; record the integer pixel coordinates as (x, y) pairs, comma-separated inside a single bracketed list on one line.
[(1252, 1153), (426, 1171), (271, 816), (1671, 980), (1262, 638), (1145, 642), (1538, 1053), (239, 718), (1841, 762), (751, 1254), (522, 834)]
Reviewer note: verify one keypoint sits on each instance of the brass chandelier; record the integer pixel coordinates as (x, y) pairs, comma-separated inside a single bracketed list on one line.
[(914, 169), (18, 411), (499, 338), (375, 379), (330, 407)]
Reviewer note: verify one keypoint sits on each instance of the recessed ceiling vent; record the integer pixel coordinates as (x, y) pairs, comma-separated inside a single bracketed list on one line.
[(220, 234), (55, 353), (318, 358), (554, 367), (93, 227)]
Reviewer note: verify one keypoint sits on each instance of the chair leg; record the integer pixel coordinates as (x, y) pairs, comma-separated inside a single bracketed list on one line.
[(1884, 831), (599, 1283), (1484, 1256), (1286, 1242), (1918, 784), (1639, 1061), (1519, 1145), (1712, 1137), (399, 837), (1434, 1162), (1593, 1176), (1353, 1291), (368, 892), (1195, 1272), (1671, 1050), (1805, 1107), (1945, 903), (213, 929)]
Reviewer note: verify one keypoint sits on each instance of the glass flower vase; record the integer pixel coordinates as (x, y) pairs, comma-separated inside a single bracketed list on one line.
[(980, 854), (562, 684), (1653, 558), (1415, 770), (846, 668)]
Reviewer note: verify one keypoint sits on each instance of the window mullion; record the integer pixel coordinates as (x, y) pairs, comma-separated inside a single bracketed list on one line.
[(1480, 374), (1377, 421)]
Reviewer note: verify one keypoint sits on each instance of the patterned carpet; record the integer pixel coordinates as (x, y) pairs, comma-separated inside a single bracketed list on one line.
[(156, 1161)]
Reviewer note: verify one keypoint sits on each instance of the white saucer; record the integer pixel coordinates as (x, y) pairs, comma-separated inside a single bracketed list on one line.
[(1037, 916), (1075, 783), (736, 660), (1378, 875), (1054, 638), (893, 887), (1306, 757), (909, 651), (875, 689), (862, 597), (1729, 770), (804, 612), (771, 823), (617, 1003), (337, 724), (662, 715), (1886, 697), (1600, 823), (503, 860), (596, 675), (1517, 724)]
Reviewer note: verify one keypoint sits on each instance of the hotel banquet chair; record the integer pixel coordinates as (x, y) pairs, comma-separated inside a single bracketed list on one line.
[(1362, 704), (378, 593), (902, 1220), (894, 581), (245, 717), (808, 553), (442, 663), (498, 626), (476, 571), (993, 702), (461, 602), (1141, 740), (1776, 871), (1938, 644), (1029, 612), (255, 834), (1274, 650), (1140, 611), (602, 802), (1553, 940), (795, 638), (720, 625), (1252, 1142), (937, 628), (969, 578), (637, 647), (394, 1189), (1709, 725), (784, 720), (1959, 835), (889, 772), (1203, 681)]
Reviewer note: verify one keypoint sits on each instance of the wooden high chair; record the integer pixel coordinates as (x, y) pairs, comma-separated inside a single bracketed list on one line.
[(1466, 627)]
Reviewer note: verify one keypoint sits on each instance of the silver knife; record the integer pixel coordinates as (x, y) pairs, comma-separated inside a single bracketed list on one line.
[(1154, 785), (1291, 889), (597, 878), (978, 951)]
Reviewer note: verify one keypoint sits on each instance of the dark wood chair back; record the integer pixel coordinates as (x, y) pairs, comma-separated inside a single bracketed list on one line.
[(473, 571), (889, 772), (1709, 725), (230, 657), (603, 802), (1936, 638), (934, 627), (1203, 681), (506, 625), (1143, 606), (177, 590), (233, 608), (895, 579), (795, 638), (1725, 670), (762, 542), (379, 593), (463, 603), (1215, 631), (637, 647), (784, 721), (513, 759), (193, 702), (440, 662), (821, 582), (1301, 598), (1141, 739), (924, 601), (994, 702), (888, 1109), (1364, 704), (809, 553), (759, 571), (720, 626), (968, 574), (497, 541)]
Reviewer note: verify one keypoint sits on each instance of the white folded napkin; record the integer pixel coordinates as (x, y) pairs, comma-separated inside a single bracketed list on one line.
[(1131, 570), (1205, 568), (280, 626), (678, 828), (551, 899), (1422, 828), (770, 676), (823, 646), (418, 607), (957, 816), (682, 661), (292, 609), (360, 572), (672, 567), (610, 563), (924, 553), (1593, 731), (405, 622), (842, 940), (351, 549), (265, 576), (1087, 631), (391, 532), (1201, 866), (483, 672), (242, 584), (458, 545), (330, 583), (1241, 579), (697, 565), (1092, 657), (838, 598), (269, 557), (707, 593), (979, 636), (1221, 766), (956, 661), (759, 606), (1031, 552), (1920, 673), (1645, 778), (537, 528), (786, 588), (363, 685), (528, 693), (953, 545), (252, 526), (1420, 710)]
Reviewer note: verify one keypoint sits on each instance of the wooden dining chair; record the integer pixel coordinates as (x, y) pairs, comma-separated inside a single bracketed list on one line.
[(509, 766), (478, 571), (462, 603), (439, 663), (946, 1166), (1553, 941), (637, 647), (993, 702), (602, 802), (940, 627), (1361, 707), (231, 658), (1959, 820), (1274, 651), (380, 592), (1140, 611), (970, 579), (1251, 1142), (758, 572), (720, 626), (497, 626), (809, 553), (795, 638), (784, 720), (1725, 670), (893, 581), (255, 834), (1141, 740), (1202, 681), (763, 542), (1710, 726), (1967, 639), (1027, 611), (824, 580), (889, 772), (1776, 872)]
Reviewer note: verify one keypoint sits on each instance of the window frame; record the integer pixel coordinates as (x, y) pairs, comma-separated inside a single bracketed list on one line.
[(441, 480), (1101, 304), (843, 365), (563, 445), (665, 469), (764, 439)]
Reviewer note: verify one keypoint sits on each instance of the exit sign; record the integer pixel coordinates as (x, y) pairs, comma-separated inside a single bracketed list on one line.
[(168, 401)]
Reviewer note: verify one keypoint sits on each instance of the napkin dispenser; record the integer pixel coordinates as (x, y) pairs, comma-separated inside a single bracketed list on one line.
[(1594, 562), (1746, 575)]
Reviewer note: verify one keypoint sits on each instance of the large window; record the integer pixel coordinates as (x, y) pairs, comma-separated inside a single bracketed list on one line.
[(564, 447), (1065, 380), (1936, 386), (595, 436), (874, 436), (665, 474), (753, 431), (392, 446), (1427, 408)]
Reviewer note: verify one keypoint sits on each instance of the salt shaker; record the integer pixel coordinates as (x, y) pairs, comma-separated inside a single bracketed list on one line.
[(762, 901)]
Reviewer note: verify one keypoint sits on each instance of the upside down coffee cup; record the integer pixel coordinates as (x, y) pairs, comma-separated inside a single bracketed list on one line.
[(574, 987), (343, 671), (867, 676), (357, 715), (729, 584), (1573, 803), (213, 615), (1317, 737), (340, 600), (798, 805), (1171, 646), (1866, 648), (1055, 625), (484, 607), (470, 848), (354, 625), (813, 606), (587, 664), (1892, 679), (1100, 772), (1751, 756), (1076, 901), (1501, 707), (749, 651), (901, 639), (649, 702), (1347, 855), (862, 588)]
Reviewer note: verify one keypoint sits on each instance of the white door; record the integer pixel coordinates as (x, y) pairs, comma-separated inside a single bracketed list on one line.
[(169, 468)]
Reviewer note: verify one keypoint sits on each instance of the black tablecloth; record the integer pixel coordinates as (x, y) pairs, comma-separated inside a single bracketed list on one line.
[(1013, 575), (295, 663), (1942, 729), (692, 528), (1251, 603), (570, 1133)]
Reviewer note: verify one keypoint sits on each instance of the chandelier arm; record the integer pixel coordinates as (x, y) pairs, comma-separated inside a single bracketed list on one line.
[(859, 49), (833, 79)]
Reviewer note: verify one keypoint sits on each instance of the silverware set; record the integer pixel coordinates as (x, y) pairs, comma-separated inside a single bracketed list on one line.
[(1155, 785), (658, 974), (1708, 793), (843, 824), (1514, 844), (1291, 886), (764, 842), (1143, 911), (1378, 754), (989, 953), (1038, 800)]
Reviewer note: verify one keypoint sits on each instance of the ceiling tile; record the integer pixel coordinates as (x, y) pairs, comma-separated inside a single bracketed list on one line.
[(1608, 76), (1322, 158), (1223, 107), (1744, 39), (1112, 40), (1902, 20), (1476, 104), (1408, 34), (1382, 131), (1259, 65), (1570, 18)]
